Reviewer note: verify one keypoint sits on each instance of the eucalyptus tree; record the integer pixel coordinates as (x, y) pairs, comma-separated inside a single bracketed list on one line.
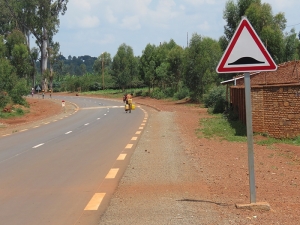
[(39, 18), (291, 45), (18, 54), (175, 66), (102, 68), (201, 59), (148, 65), (12, 87), (124, 66), (53, 51)]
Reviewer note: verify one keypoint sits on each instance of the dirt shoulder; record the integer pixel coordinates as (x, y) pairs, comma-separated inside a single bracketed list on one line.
[(40, 111), (215, 172)]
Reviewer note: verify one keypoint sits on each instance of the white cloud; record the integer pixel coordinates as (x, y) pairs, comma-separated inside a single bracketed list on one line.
[(204, 26), (110, 15), (201, 2), (131, 23), (82, 4), (88, 22), (282, 4)]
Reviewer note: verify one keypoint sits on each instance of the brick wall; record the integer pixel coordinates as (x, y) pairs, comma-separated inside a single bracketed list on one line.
[(281, 106), (275, 109), (275, 100)]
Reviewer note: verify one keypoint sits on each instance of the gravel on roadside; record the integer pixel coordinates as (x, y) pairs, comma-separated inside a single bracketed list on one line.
[(160, 186)]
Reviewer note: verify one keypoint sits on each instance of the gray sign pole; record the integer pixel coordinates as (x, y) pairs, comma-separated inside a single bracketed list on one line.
[(250, 137)]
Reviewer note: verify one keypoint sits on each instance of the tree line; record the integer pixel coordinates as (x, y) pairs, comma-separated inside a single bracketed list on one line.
[(167, 69)]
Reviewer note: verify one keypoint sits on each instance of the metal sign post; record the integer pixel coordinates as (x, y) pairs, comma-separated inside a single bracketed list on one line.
[(244, 54), (250, 137)]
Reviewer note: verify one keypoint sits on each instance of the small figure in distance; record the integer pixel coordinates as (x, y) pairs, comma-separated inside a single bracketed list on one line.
[(129, 101)]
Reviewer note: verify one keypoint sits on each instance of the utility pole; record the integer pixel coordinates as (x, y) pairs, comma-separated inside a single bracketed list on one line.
[(103, 71)]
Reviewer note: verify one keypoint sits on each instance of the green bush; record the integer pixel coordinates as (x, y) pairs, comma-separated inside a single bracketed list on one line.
[(139, 93), (158, 94), (19, 90), (20, 111), (215, 100), (168, 92), (181, 94), (145, 94), (4, 99)]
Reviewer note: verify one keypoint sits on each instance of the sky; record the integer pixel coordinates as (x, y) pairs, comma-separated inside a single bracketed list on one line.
[(91, 27)]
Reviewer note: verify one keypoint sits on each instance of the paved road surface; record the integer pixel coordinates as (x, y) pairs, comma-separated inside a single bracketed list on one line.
[(66, 171)]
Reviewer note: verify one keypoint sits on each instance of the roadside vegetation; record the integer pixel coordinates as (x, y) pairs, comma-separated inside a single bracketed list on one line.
[(220, 127)]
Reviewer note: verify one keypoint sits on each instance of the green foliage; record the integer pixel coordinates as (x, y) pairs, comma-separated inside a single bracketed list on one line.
[(7, 75), (215, 99), (220, 127), (20, 112), (269, 141), (201, 59), (19, 90), (124, 66), (145, 94), (4, 99), (16, 112), (181, 93), (158, 94)]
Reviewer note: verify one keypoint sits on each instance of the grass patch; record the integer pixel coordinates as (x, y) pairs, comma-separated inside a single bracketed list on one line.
[(269, 141), (218, 126), (235, 131), (14, 113)]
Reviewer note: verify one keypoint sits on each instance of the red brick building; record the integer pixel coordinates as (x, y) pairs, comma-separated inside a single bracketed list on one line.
[(275, 100)]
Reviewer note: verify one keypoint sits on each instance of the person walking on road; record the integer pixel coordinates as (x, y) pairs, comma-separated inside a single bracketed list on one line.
[(129, 102)]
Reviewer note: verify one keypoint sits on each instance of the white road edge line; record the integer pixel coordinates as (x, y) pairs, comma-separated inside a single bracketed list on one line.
[(38, 145)]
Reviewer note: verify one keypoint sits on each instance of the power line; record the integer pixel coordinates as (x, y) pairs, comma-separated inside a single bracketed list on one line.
[(293, 25)]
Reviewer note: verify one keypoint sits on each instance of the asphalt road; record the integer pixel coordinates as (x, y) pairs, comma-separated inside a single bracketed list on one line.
[(66, 171)]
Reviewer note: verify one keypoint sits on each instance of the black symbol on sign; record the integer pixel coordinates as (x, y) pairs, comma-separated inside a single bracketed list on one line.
[(246, 60)]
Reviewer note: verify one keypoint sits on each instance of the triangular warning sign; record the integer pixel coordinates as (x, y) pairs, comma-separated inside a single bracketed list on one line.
[(245, 52)]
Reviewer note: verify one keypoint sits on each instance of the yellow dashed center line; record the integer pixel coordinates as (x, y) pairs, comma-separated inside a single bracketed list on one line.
[(23, 130), (129, 146), (121, 157), (95, 201), (144, 121), (138, 132), (134, 138), (142, 124), (141, 128), (112, 173)]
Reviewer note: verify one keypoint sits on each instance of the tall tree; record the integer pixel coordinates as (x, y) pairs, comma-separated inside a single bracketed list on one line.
[(201, 59), (123, 66), (148, 65), (40, 18)]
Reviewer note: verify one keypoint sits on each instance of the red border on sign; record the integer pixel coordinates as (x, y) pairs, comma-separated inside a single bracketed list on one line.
[(245, 24)]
